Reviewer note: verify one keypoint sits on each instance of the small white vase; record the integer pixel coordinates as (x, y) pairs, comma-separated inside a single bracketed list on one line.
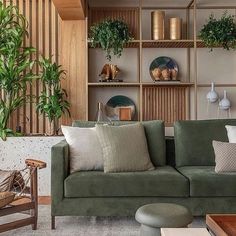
[(225, 102), (212, 96)]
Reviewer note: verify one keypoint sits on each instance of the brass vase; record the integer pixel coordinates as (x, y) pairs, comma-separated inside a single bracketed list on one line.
[(175, 28), (158, 25)]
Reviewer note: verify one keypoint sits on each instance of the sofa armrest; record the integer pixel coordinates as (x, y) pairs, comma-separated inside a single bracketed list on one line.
[(59, 170)]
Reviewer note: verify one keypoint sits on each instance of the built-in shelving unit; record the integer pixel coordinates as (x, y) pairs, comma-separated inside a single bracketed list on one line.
[(169, 101)]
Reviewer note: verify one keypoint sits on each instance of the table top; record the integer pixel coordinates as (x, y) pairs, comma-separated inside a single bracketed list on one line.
[(222, 224), (184, 232)]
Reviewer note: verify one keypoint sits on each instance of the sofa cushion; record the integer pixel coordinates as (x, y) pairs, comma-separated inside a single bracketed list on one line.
[(193, 141), (205, 182), (155, 134), (163, 181), (124, 148)]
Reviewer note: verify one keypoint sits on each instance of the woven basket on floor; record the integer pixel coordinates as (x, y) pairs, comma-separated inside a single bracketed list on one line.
[(6, 198)]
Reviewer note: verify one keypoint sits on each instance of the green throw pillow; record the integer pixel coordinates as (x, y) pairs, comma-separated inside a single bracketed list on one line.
[(124, 148)]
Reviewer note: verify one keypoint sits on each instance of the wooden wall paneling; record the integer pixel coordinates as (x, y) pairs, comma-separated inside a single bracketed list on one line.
[(73, 58), (129, 15), (71, 9), (164, 103)]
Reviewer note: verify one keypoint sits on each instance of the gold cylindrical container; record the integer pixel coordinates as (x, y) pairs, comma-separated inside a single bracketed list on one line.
[(158, 25), (175, 28)]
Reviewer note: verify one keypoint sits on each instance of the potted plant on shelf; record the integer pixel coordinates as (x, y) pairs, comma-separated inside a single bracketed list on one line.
[(52, 101), (111, 36), (219, 32), (15, 65)]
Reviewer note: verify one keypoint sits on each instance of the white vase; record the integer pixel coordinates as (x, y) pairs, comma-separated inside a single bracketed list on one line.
[(212, 96), (225, 102)]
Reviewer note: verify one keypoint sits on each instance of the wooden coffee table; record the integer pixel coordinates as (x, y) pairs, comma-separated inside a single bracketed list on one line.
[(221, 225)]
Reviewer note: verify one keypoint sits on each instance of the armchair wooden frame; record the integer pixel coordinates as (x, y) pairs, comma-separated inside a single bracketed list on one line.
[(25, 204)]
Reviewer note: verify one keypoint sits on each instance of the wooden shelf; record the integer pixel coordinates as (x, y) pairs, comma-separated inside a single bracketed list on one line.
[(216, 85), (183, 43), (168, 84), (112, 84)]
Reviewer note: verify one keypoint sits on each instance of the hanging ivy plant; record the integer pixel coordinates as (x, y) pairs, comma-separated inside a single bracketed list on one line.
[(111, 36), (219, 32)]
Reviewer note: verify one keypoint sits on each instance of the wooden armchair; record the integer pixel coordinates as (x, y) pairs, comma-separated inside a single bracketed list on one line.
[(25, 203)]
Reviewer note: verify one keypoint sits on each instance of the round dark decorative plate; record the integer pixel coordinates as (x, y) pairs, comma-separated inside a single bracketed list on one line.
[(115, 103)]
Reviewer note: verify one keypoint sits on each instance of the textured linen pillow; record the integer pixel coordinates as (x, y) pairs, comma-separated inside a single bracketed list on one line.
[(85, 148), (231, 131), (124, 148), (225, 156)]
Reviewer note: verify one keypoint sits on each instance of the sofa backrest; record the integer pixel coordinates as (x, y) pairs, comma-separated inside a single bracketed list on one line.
[(193, 140), (155, 134)]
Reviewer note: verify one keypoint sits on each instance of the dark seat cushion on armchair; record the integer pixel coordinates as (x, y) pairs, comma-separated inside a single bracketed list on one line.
[(205, 182), (164, 181)]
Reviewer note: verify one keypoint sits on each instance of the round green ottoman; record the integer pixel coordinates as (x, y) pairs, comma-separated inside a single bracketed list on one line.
[(152, 217)]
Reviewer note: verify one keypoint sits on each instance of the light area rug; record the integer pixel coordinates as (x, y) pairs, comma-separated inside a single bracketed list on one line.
[(82, 226)]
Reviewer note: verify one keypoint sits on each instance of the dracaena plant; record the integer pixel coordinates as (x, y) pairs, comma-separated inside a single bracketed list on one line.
[(52, 101), (15, 65)]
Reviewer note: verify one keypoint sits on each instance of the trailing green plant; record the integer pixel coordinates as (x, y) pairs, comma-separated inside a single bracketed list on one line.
[(111, 36), (52, 101), (219, 32), (15, 65)]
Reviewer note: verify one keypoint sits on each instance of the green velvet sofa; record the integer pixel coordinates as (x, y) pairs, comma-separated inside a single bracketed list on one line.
[(184, 174)]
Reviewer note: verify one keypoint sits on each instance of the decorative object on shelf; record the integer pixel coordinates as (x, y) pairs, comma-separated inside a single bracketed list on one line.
[(225, 103), (52, 101), (166, 74), (219, 32), (109, 73), (224, 107), (175, 25), (115, 105), (111, 36), (101, 117), (158, 25), (212, 96), (125, 113), (163, 69)]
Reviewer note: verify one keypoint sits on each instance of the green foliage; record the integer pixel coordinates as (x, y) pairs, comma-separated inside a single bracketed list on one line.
[(52, 101), (111, 36), (15, 65), (219, 32)]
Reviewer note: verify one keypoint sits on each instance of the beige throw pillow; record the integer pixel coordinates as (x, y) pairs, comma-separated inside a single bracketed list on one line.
[(85, 149), (124, 148), (225, 156)]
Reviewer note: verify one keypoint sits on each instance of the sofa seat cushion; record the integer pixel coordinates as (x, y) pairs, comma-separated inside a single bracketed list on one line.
[(163, 181), (205, 182)]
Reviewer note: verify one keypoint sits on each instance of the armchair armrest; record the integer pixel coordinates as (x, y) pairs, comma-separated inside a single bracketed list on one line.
[(35, 163), (59, 170)]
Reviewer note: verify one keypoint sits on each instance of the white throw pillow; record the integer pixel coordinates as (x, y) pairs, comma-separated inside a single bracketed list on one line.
[(85, 148), (231, 131)]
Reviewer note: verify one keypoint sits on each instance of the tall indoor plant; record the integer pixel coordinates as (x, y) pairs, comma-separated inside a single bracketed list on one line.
[(111, 36), (52, 101), (15, 65)]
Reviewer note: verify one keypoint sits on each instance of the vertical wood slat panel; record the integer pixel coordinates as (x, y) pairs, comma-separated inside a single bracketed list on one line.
[(164, 103), (44, 36)]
